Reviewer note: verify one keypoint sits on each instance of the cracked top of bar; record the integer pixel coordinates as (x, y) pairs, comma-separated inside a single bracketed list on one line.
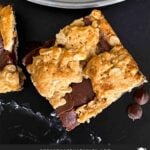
[(11, 76), (85, 53)]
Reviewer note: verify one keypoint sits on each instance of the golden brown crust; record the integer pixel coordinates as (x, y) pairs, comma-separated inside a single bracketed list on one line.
[(7, 27), (56, 68), (11, 79), (112, 74), (78, 36), (11, 76), (80, 43), (53, 71)]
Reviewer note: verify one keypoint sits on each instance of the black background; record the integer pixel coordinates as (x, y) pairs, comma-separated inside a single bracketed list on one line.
[(131, 21)]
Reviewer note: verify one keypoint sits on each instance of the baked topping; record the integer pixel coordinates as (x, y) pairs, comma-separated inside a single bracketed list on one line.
[(54, 70), (7, 27), (103, 70)]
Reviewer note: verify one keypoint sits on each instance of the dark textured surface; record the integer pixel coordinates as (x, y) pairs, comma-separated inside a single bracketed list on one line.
[(131, 21)]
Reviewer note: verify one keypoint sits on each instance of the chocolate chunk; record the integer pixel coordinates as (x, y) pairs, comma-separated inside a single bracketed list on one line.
[(69, 119), (87, 21), (103, 45), (5, 59), (81, 94), (33, 49), (141, 96), (135, 111)]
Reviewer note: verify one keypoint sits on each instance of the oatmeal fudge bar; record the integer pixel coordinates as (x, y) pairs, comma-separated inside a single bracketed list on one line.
[(11, 76), (84, 70)]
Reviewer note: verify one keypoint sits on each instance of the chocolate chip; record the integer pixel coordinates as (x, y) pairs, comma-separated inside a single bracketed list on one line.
[(141, 96), (103, 45), (69, 119), (135, 111), (87, 21)]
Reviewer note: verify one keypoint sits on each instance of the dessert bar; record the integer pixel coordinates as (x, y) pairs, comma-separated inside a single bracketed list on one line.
[(11, 76), (84, 71)]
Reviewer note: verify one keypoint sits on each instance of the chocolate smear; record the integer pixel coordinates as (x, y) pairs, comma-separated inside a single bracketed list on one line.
[(33, 50), (5, 59), (5, 56), (29, 57)]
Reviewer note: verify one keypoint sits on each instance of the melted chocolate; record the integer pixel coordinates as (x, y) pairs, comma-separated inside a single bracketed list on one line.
[(5, 56), (29, 57), (5, 59), (33, 49), (103, 45), (81, 94)]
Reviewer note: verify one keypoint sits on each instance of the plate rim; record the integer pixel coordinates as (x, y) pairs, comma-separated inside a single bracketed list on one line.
[(69, 5)]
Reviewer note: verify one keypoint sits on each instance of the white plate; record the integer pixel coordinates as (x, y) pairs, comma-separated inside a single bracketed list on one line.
[(76, 4)]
